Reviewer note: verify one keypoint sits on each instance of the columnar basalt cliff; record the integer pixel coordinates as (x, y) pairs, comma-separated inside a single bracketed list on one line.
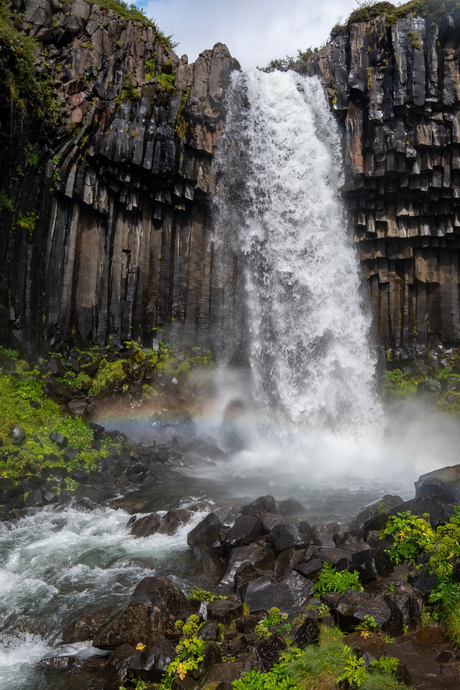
[(105, 229), (395, 84)]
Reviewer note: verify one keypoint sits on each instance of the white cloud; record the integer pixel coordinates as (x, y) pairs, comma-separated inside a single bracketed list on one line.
[(255, 32)]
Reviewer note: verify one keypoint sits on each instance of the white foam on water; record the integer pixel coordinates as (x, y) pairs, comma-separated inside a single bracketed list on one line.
[(55, 566)]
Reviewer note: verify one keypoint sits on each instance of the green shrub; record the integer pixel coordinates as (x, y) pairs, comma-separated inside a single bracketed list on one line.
[(166, 81), (329, 580), (412, 535), (272, 623), (203, 595)]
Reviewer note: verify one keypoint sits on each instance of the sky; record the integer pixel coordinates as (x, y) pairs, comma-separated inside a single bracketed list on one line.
[(255, 31)]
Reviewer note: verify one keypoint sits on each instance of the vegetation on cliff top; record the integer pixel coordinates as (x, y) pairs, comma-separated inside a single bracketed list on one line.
[(368, 10)]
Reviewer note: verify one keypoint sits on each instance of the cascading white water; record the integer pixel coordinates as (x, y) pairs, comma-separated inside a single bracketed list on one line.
[(280, 220)]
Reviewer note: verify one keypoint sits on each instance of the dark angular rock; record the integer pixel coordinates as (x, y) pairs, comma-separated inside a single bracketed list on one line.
[(154, 660), (153, 608), (77, 407), (444, 484), (439, 512), (268, 651), (145, 526), (206, 533), (211, 564), (57, 663), (59, 439), (405, 604), (260, 557), (300, 587), (308, 632), (55, 367), (212, 655), (34, 498), (97, 429), (114, 672), (245, 530), (263, 593), (85, 627), (309, 569), (371, 564), (225, 674), (174, 519), (137, 473), (210, 631), (339, 558), (71, 454), (353, 540), (383, 505), (299, 535), (262, 505), (291, 508), (247, 624), (55, 472), (353, 606), (289, 559), (224, 611)]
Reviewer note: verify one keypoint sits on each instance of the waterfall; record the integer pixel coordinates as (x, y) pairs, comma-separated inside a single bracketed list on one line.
[(289, 272)]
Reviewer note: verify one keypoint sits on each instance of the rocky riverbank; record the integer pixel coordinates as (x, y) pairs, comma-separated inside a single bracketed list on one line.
[(262, 555)]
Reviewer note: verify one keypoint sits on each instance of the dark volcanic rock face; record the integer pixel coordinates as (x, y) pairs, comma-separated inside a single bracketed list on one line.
[(395, 85), (117, 188)]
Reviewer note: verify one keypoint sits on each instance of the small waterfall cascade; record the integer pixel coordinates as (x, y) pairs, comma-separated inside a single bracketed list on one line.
[(289, 272)]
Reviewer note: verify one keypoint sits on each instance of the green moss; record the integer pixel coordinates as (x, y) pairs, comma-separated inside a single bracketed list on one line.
[(107, 373), (398, 385), (16, 395)]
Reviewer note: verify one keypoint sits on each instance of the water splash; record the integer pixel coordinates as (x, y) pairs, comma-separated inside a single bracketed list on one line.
[(297, 315)]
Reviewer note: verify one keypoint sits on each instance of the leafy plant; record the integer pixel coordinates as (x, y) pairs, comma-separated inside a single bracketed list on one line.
[(166, 81), (27, 221), (329, 580), (5, 203), (272, 623), (354, 673), (189, 651), (367, 627), (275, 679), (412, 535), (387, 664)]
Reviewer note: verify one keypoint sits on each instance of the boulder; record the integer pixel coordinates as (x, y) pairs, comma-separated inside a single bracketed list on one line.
[(439, 512), (137, 473), (224, 610), (145, 526), (264, 593), (353, 606), (211, 655), (206, 533), (444, 484), (291, 508), (268, 651), (112, 675), (299, 535), (339, 558), (309, 569), (245, 530), (57, 663), (405, 604), (371, 564), (383, 505), (262, 505), (224, 674), (300, 587), (154, 659), (210, 631), (308, 632), (260, 557), (290, 559), (174, 519), (59, 439), (17, 435), (152, 610)]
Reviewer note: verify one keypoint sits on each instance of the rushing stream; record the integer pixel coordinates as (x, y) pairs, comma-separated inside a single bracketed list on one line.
[(303, 399)]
